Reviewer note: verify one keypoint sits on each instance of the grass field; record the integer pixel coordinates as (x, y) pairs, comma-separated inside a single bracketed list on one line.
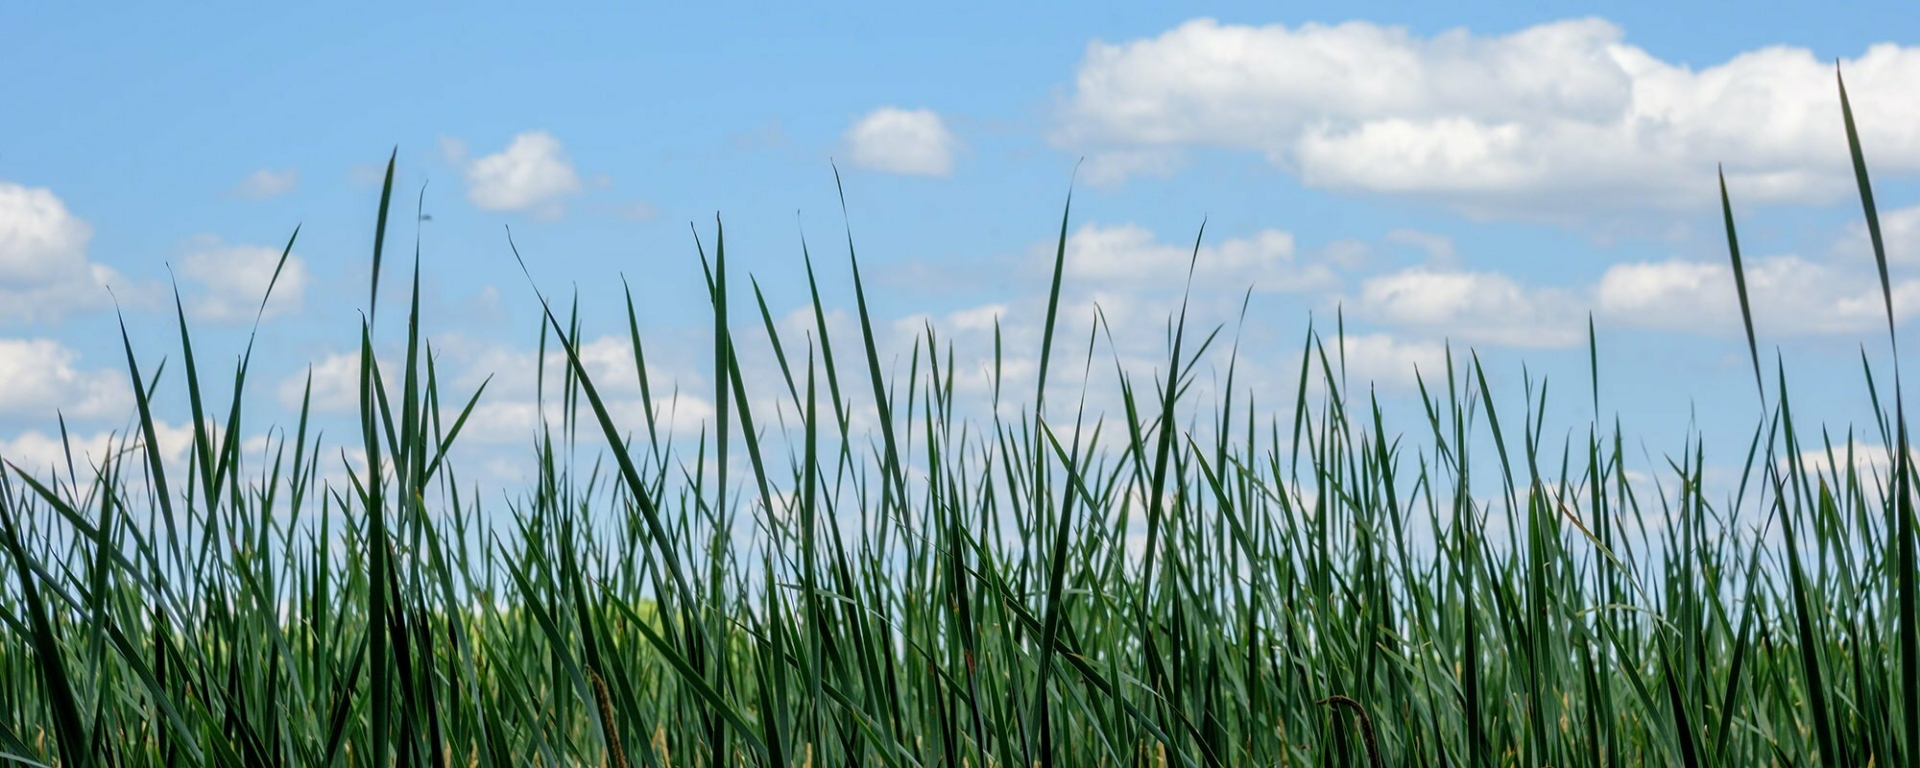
[(1041, 586)]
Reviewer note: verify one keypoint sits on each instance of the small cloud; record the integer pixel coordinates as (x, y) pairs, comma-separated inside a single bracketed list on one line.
[(266, 183), (768, 136), (453, 150), (1346, 253), (366, 174), (907, 142), (1109, 169), (639, 210), (232, 280), (532, 175), (1131, 256)]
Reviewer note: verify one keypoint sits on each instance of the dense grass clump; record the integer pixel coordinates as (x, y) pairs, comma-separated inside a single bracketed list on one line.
[(1172, 585)]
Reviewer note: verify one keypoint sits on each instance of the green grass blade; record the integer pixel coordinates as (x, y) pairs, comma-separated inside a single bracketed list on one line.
[(1906, 593), (1740, 285), (70, 731)]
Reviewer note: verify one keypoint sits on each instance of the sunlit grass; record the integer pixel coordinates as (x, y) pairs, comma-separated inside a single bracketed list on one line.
[(1050, 587)]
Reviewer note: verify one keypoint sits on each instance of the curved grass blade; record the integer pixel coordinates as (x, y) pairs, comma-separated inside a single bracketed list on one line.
[(1740, 285), (1906, 591), (69, 730)]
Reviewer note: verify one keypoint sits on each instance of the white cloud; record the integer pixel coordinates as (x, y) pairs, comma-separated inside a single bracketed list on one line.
[(1439, 249), (1899, 232), (1556, 119), (508, 411), (515, 421), (639, 210), (453, 151), (44, 271), (1790, 296), (36, 451), (1389, 362), (533, 174), (366, 174), (1135, 277), (335, 381), (232, 280), (1110, 168), (1131, 256), (909, 142), (1483, 307), (1346, 253), (267, 183), (39, 377), (1873, 463), (40, 240), (466, 361)]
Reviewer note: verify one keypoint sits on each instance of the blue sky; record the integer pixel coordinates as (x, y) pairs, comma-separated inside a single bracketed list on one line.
[(1465, 173)]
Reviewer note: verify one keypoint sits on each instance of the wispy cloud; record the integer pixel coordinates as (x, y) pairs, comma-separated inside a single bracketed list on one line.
[(230, 280), (266, 183)]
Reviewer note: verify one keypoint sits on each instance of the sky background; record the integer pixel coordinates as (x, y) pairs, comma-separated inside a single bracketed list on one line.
[(1466, 173)]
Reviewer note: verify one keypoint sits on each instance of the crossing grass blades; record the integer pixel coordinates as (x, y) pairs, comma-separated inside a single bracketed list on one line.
[(1031, 587)]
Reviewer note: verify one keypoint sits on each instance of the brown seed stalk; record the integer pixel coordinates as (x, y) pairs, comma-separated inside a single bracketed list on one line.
[(1366, 725)]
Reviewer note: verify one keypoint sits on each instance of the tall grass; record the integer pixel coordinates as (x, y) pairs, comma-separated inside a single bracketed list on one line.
[(1174, 585)]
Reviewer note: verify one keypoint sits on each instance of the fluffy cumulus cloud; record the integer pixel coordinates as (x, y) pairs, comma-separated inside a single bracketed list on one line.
[(1389, 362), (1790, 296), (1132, 256), (329, 385), (1872, 463), (44, 270), (1899, 232), (41, 376), (1122, 289), (1550, 120), (38, 452), (912, 142), (532, 175), (1133, 281), (509, 411), (1474, 307), (267, 183), (1110, 168), (231, 280)]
